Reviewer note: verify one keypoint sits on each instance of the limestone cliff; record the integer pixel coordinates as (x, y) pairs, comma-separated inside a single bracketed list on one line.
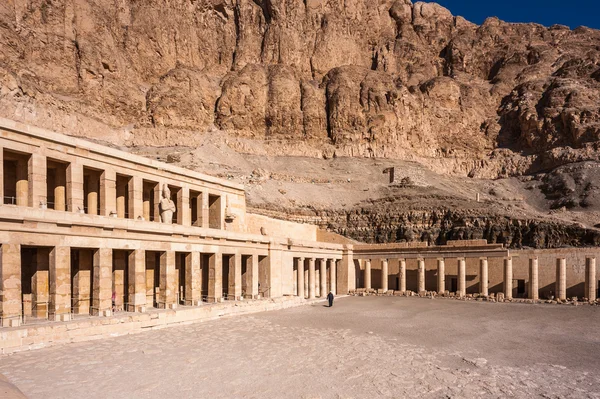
[(358, 78)]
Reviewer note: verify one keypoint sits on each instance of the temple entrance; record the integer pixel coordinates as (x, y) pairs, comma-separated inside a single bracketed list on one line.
[(35, 281)]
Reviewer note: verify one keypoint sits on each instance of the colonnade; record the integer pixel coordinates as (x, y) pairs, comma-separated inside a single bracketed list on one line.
[(66, 280), (313, 281), (483, 289)]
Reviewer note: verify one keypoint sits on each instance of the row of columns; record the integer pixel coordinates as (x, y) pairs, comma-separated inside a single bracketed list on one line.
[(306, 279), (561, 277), (102, 281), (106, 192)]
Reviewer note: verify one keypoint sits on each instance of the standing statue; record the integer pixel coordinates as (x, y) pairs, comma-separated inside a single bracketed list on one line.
[(167, 206)]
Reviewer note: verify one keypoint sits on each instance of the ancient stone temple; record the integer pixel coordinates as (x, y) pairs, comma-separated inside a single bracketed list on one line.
[(88, 230)]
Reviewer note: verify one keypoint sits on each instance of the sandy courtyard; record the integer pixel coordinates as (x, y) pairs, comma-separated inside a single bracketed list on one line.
[(362, 347)]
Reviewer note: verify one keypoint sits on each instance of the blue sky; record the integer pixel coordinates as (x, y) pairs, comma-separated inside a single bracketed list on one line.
[(572, 13)]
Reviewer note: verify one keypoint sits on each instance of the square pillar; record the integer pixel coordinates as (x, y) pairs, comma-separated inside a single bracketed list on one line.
[(421, 275), (252, 273), (37, 180), (215, 278), (402, 275), (235, 277), (102, 282), (40, 284), (323, 277), (193, 279), (300, 285), (10, 285), (137, 281), (60, 284), (204, 212), (135, 186), (332, 276), (533, 279), (561, 279), (311, 278), (183, 206), (168, 280), (82, 280), (346, 278), (441, 276), (508, 278), (108, 192), (1, 174), (74, 187), (590, 279)]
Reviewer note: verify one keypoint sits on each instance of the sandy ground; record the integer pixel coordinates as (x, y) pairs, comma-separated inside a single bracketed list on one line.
[(362, 347)]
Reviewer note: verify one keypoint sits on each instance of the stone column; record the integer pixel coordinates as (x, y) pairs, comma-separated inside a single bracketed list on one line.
[(317, 279), (37, 180), (323, 275), (74, 187), (441, 275), (136, 197), (40, 284), (168, 280), (108, 192), (508, 278), (184, 217), (561, 279), (421, 275), (590, 278), (136, 272), (102, 282), (193, 279), (22, 182), (533, 279), (346, 271), (301, 277), (311, 278), (368, 274), (402, 275), (10, 284), (462, 277), (157, 196), (215, 278), (384, 275), (205, 210), (235, 277), (60, 190), (93, 190), (82, 281), (483, 277), (305, 282), (1, 179), (122, 193), (60, 284), (332, 276), (253, 277)]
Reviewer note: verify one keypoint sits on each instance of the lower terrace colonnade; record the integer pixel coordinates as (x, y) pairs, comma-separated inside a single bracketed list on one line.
[(59, 283), (463, 268)]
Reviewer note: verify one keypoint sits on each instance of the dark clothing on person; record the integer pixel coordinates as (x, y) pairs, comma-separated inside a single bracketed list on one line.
[(330, 299)]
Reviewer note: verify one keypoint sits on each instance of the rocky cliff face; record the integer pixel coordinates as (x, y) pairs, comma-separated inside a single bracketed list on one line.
[(359, 78)]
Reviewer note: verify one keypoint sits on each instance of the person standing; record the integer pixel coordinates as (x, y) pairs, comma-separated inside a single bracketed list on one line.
[(330, 298)]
